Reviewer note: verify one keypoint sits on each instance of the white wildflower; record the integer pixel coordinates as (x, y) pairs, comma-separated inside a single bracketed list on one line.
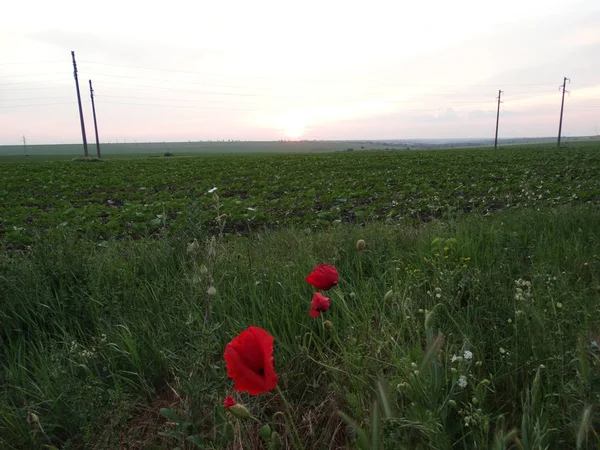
[(462, 382), (468, 355), (210, 191)]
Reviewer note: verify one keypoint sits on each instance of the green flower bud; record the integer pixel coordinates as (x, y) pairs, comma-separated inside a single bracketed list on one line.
[(360, 245), (265, 432), (32, 419), (239, 411), (275, 440), (388, 295)]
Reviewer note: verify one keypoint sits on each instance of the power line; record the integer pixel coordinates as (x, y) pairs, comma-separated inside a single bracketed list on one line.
[(39, 104), (30, 62), (178, 106), (29, 82), (31, 74), (28, 98)]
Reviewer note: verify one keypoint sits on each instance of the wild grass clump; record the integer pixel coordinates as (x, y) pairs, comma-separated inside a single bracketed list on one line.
[(477, 333)]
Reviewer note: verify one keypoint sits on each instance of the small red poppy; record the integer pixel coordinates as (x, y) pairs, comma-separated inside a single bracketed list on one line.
[(319, 304), (323, 277), (249, 361), (229, 402)]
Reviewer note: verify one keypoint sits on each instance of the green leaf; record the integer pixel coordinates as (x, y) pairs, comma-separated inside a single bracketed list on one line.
[(195, 439)]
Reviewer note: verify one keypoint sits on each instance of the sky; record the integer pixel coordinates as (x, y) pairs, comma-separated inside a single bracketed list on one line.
[(315, 69)]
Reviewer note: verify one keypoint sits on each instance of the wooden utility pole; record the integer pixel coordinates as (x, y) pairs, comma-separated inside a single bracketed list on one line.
[(497, 120), (95, 122), (24, 140), (85, 148), (562, 107)]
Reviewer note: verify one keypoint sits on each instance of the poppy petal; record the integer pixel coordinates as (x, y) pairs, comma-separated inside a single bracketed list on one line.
[(249, 361)]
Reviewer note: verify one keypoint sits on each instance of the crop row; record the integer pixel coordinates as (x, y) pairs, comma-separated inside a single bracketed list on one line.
[(137, 197)]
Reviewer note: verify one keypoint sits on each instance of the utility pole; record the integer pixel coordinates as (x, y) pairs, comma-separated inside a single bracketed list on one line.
[(85, 148), (562, 107), (24, 140), (95, 122), (497, 120)]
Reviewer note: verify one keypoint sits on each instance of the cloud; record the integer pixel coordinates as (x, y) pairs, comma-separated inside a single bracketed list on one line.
[(480, 114), (449, 115)]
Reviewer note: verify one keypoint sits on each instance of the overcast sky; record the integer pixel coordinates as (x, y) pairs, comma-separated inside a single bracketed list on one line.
[(268, 70)]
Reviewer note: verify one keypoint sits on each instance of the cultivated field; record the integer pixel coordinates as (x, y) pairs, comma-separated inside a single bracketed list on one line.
[(470, 319)]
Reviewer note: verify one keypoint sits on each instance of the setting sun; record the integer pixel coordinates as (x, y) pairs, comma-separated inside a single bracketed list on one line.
[(294, 131)]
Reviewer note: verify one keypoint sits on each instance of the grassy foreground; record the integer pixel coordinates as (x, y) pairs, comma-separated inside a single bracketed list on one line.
[(488, 339)]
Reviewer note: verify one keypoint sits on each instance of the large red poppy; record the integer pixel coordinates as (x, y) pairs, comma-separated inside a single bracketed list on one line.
[(249, 360), (319, 304), (323, 277)]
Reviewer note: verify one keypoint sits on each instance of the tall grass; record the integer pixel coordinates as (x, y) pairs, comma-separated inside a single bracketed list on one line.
[(476, 333)]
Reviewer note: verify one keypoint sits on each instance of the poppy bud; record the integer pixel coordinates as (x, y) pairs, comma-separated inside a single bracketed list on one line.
[(211, 291), (275, 440), (360, 245), (328, 324), (265, 432), (452, 403), (388, 295), (32, 419), (203, 269), (240, 411), (429, 319), (193, 248)]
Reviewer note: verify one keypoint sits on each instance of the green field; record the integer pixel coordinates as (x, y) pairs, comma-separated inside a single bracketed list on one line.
[(125, 150), (470, 320), (143, 197)]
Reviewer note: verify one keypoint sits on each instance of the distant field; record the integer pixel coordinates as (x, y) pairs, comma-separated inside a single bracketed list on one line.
[(193, 148), (148, 195), (112, 150)]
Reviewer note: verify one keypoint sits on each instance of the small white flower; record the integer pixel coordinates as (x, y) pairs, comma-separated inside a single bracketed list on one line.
[(211, 291), (210, 191), (462, 382), (454, 358), (468, 355)]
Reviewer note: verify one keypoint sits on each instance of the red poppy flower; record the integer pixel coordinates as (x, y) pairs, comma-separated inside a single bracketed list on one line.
[(319, 304), (249, 360), (323, 277), (229, 402)]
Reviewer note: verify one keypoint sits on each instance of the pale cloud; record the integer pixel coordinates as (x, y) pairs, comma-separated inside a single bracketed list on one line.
[(316, 69)]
